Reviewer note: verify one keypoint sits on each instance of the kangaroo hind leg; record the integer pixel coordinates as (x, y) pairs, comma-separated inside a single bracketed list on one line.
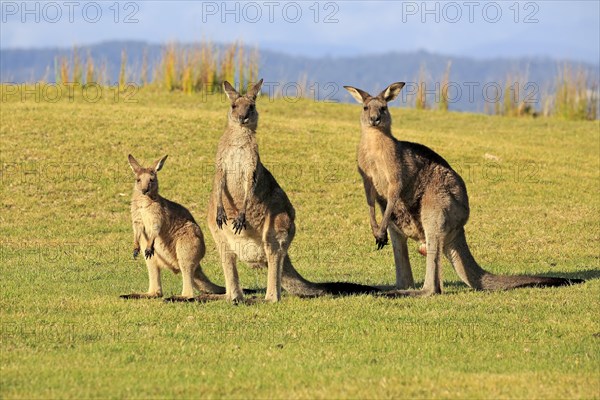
[(154, 284), (404, 276), (277, 238)]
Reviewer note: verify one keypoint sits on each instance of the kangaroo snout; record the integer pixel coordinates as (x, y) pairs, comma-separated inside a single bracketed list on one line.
[(376, 120)]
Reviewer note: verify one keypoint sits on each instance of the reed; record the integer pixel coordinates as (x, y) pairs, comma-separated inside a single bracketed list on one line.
[(576, 96), (90, 73), (144, 68), (444, 104), (123, 70), (421, 96), (77, 67)]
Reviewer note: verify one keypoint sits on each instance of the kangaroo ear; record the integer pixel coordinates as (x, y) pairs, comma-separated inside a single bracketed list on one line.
[(231, 93), (159, 164), (391, 92), (135, 166), (255, 90), (359, 95)]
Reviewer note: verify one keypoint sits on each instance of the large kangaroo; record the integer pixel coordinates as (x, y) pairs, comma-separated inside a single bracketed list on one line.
[(422, 198), (169, 235), (263, 217)]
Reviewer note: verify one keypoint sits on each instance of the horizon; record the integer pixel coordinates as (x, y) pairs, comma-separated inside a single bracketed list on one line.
[(315, 57), (558, 30)]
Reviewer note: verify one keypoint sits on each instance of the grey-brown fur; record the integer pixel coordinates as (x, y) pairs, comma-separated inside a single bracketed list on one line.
[(168, 236), (422, 198), (250, 216)]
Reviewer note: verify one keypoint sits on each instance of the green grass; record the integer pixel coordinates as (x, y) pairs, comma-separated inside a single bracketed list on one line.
[(66, 258)]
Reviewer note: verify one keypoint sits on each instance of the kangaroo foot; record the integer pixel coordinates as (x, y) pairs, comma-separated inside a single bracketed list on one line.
[(141, 296), (206, 297), (407, 293), (247, 301), (221, 290), (179, 299)]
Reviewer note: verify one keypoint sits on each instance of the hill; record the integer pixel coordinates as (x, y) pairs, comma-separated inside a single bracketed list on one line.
[(474, 82)]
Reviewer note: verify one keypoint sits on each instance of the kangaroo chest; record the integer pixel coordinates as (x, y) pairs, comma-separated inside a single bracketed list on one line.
[(377, 160), (238, 164), (151, 216)]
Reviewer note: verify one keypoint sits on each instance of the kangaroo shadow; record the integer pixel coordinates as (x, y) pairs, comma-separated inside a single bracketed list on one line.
[(577, 277), (586, 275), (254, 295)]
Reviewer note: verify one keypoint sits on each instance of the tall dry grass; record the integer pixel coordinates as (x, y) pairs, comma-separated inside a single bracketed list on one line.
[(77, 77), (444, 102), (123, 70), (576, 95), (90, 72), (204, 67), (421, 96)]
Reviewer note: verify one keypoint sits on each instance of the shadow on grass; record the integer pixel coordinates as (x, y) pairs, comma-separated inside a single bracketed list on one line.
[(255, 295), (587, 274)]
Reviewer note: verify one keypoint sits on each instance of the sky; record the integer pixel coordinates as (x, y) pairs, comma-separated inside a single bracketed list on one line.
[(478, 29)]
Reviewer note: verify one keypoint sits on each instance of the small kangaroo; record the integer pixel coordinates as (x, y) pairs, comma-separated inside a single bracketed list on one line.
[(169, 235), (263, 217), (422, 198)]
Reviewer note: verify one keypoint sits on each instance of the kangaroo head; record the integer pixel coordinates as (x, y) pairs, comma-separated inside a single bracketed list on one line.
[(375, 111), (243, 108), (146, 179)]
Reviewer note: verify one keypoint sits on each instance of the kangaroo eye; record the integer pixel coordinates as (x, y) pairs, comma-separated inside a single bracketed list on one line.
[(251, 108), (383, 109), (233, 106), (139, 180), (365, 108)]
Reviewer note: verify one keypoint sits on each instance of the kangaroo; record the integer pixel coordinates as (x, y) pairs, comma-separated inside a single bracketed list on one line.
[(262, 226), (421, 197), (169, 235)]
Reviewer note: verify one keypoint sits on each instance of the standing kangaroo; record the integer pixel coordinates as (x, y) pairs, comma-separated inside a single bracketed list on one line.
[(422, 198), (169, 235), (263, 217)]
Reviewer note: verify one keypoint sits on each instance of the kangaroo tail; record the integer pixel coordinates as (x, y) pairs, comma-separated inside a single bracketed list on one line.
[(203, 284), (295, 284), (501, 282), (476, 277)]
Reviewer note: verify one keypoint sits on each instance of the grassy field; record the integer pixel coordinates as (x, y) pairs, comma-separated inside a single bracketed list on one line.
[(66, 258)]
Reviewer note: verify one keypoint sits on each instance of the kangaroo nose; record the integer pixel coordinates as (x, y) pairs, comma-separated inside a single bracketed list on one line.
[(375, 120)]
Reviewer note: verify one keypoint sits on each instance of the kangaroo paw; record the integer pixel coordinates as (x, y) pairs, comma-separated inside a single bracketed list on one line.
[(149, 252), (221, 217), (239, 223), (381, 240)]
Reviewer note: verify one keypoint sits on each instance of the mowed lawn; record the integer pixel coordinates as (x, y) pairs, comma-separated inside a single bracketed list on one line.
[(66, 247)]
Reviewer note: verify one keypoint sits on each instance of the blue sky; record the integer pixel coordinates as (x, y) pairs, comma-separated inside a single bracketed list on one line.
[(481, 29)]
